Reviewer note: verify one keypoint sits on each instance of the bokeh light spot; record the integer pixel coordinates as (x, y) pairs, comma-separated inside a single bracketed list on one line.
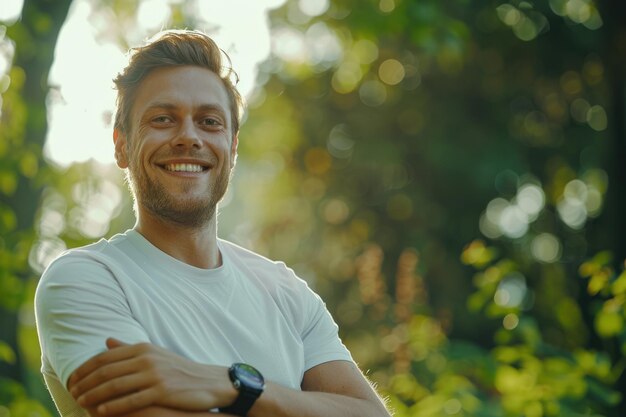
[(572, 212), (322, 46), (313, 8), (593, 70), (336, 211), (595, 20), (513, 222), (531, 199), (391, 72), (373, 93), (596, 117), (346, 77), (492, 216), (51, 222), (313, 188), (387, 6), (317, 161), (575, 190), (546, 248), (578, 10), (526, 24), (45, 251), (579, 110), (340, 144), (366, 51), (526, 29), (288, 44), (488, 228), (510, 321), (571, 83), (593, 203), (508, 14), (511, 291)]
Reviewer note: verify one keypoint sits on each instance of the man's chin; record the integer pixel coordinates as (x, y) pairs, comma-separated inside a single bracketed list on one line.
[(193, 216), (183, 207)]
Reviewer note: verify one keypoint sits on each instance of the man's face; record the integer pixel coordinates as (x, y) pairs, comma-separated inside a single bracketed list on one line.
[(180, 149)]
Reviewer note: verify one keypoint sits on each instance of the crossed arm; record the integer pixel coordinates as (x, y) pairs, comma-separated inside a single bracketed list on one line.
[(144, 380)]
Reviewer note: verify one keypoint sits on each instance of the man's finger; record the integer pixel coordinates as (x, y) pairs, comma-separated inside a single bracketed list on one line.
[(101, 375), (121, 387), (113, 343), (119, 354), (132, 402)]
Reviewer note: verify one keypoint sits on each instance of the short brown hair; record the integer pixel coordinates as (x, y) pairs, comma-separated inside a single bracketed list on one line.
[(175, 48)]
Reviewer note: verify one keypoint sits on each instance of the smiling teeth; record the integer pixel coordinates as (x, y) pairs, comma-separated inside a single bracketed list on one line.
[(184, 167)]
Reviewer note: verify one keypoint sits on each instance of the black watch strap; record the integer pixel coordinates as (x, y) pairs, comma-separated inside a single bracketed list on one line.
[(250, 383), (242, 404)]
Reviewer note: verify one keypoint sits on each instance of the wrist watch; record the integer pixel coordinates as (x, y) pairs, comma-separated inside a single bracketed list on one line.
[(249, 382)]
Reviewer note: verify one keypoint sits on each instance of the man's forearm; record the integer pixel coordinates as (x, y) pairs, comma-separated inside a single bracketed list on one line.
[(155, 411), (132, 378), (279, 401)]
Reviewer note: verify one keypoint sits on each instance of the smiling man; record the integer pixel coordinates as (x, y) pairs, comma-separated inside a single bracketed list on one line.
[(167, 319)]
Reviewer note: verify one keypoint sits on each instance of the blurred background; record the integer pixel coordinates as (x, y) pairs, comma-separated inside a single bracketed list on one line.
[(448, 175)]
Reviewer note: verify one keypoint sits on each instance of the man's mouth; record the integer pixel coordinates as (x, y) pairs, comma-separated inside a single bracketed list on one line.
[(185, 167)]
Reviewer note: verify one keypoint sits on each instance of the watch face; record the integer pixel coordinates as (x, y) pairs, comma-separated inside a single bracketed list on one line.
[(248, 375)]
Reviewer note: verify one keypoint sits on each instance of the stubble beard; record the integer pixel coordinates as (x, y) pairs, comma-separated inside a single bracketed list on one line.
[(155, 198)]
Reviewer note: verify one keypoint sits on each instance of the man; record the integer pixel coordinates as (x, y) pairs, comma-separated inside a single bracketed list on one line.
[(167, 319)]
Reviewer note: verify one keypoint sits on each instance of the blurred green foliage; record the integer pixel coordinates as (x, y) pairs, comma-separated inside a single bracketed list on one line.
[(406, 130), (445, 174), (27, 51)]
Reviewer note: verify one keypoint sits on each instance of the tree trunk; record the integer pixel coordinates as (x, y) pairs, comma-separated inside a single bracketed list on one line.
[(614, 13), (24, 125)]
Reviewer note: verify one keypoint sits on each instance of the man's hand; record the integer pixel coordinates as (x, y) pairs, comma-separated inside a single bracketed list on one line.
[(128, 378)]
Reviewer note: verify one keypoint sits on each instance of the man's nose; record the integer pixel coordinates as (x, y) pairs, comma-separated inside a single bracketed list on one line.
[(187, 135)]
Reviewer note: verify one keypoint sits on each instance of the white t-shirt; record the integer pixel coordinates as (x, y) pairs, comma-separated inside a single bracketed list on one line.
[(249, 310)]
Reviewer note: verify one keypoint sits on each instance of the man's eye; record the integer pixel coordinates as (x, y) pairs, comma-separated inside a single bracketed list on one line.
[(162, 119), (209, 121)]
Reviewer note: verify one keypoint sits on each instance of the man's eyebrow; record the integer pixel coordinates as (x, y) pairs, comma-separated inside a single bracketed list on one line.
[(160, 105), (212, 107), (172, 106)]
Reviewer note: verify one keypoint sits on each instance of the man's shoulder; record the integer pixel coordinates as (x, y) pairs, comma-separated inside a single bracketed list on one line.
[(271, 272), (79, 252), (103, 251)]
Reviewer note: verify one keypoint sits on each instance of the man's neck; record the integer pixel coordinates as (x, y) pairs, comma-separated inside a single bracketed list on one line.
[(195, 246)]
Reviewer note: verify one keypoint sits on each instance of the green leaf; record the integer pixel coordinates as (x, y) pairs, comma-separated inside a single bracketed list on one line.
[(609, 324), (619, 285), (25, 407), (8, 182), (6, 353), (477, 254), (598, 282)]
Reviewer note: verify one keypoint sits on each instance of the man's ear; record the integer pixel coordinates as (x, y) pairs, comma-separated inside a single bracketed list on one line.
[(233, 149), (121, 146)]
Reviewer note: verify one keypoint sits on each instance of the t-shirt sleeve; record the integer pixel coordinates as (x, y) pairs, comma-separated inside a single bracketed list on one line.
[(78, 305), (319, 332)]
